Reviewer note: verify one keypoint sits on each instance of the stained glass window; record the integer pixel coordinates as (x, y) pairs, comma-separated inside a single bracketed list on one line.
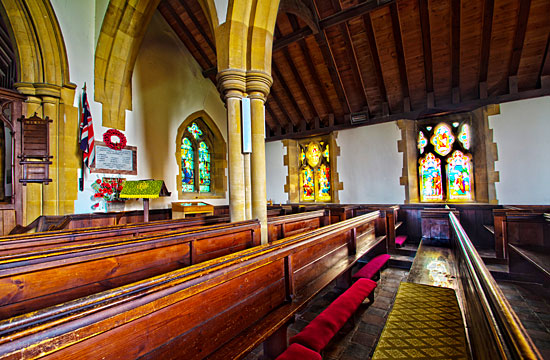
[(442, 139), (204, 167), (187, 166), (431, 188), (464, 136), (455, 181), (459, 176), (315, 172), (195, 131), (422, 142), (308, 185), (195, 154)]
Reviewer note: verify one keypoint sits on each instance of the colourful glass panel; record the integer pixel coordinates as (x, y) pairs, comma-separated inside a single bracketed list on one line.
[(323, 183), (195, 131), (464, 136), (459, 176), (422, 142), (313, 154), (187, 166), (302, 157), (204, 167), (308, 186), (442, 139), (326, 154), (431, 188)]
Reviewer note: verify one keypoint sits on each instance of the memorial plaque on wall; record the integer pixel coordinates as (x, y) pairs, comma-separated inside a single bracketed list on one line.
[(110, 161)]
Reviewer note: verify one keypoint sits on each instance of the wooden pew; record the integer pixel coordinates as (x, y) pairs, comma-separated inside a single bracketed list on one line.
[(494, 330), (219, 309), (14, 244), (33, 280), (528, 237), (283, 226)]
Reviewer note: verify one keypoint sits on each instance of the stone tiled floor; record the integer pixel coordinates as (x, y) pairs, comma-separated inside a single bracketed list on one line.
[(357, 339), (532, 305)]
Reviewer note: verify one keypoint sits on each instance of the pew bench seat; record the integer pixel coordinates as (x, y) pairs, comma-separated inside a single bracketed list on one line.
[(297, 351), (372, 267), (400, 240), (317, 334), (524, 259)]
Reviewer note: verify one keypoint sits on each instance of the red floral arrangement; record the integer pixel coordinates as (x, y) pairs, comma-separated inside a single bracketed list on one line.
[(107, 139), (108, 189)]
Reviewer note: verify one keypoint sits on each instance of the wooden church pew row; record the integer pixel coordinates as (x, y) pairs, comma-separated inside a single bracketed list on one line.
[(32, 281), (23, 243), (494, 330), (528, 237), (287, 225), (218, 309), (297, 223)]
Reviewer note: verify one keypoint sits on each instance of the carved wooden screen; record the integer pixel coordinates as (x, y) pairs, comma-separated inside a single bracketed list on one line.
[(35, 150)]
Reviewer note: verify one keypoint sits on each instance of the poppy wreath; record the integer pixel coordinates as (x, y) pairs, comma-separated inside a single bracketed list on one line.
[(107, 136)]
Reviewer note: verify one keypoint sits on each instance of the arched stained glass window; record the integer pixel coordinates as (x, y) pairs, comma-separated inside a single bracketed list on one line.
[(464, 136), (431, 188), (443, 139), (195, 154), (187, 166), (455, 181), (315, 180), (459, 176), (422, 142), (204, 167)]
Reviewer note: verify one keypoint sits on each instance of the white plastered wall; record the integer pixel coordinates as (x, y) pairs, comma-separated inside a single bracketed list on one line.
[(167, 86), (521, 133), (369, 166)]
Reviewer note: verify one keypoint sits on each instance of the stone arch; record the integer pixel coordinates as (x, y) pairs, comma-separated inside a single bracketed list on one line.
[(120, 38), (43, 76), (218, 157)]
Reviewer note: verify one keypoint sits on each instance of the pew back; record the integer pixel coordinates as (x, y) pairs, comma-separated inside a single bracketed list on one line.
[(221, 308)]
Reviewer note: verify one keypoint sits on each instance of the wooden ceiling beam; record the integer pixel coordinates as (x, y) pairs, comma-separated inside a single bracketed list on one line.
[(396, 27), (288, 93), (288, 119), (544, 72), (342, 16), (519, 36), (427, 48), (197, 24), (311, 67), (332, 20), (272, 121), (328, 57), (298, 78), (185, 30), (455, 50), (488, 8), (418, 114)]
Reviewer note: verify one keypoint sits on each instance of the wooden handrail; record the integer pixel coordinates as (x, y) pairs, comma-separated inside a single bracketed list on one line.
[(511, 338)]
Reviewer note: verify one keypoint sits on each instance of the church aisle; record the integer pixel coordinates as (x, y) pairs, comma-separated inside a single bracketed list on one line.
[(531, 302), (357, 339)]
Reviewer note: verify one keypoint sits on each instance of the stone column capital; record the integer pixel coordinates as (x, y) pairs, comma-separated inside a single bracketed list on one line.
[(231, 83), (258, 84)]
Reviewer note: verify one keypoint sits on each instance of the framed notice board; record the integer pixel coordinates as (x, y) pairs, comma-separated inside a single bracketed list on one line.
[(110, 161)]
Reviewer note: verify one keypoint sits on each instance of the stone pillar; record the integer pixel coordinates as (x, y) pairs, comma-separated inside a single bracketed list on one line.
[(231, 84), (258, 84), (50, 195), (407, 146)]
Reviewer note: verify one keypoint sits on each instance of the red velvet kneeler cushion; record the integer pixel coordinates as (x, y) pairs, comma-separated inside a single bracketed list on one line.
[(297, 351), (318, 332), (400, 240), (372, 267)]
